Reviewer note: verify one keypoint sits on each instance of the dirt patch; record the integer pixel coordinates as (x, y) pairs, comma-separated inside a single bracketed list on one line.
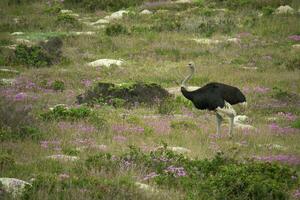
[(129, 94)]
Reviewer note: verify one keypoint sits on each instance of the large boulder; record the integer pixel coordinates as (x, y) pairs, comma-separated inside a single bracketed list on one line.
[(13, 186), (284, 10)]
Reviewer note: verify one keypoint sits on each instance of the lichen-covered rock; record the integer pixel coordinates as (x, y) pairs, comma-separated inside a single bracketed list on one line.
[(127, 94), (284, 10), (116, 15), (100, 21), (13, 186), (62, 157), (146, 12), (105, 62)]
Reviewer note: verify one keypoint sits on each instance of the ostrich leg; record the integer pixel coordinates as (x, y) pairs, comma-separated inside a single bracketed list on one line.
[(231, 117), (230, 112), (219, 121)]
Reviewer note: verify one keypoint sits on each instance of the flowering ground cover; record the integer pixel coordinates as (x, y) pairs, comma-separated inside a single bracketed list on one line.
[(157, 148)]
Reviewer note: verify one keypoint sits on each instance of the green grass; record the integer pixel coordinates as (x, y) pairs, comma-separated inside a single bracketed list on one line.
[(156, 49)]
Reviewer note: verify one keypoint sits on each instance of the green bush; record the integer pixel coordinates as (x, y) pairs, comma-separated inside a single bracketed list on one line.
[(17, 122), (116, 29), (166, 107), (33, 56), (268, 10), (219, 178), (65, 20), (296, 124), (62, 112), (58, 85)]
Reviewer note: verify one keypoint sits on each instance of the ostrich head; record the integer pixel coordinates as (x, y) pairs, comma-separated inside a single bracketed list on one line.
[(191, 66)]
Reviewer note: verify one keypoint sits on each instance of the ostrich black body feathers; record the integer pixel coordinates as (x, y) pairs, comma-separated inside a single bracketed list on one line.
[(214, 95)]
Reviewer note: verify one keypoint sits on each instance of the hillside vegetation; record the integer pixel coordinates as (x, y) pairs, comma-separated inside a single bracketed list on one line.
[(76, 127)]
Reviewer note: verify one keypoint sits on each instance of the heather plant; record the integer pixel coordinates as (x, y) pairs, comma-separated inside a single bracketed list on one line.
[(183, 125)]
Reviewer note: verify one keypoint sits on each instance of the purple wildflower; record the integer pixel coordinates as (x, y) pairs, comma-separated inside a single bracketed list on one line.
[(161, 126), (177, 171), (150, 176), (261, 90), (119, 138), (288, 116), (289, 159), (281, 130), (294, 37), (20, 96), (86, 83), (120, 128), (296, 194)]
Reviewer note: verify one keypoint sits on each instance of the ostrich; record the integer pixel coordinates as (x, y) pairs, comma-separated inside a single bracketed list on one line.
[(217, 97)]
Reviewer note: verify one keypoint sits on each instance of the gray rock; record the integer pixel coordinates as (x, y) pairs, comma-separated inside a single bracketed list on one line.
[(105, 62), (14, 186), (284, 10)]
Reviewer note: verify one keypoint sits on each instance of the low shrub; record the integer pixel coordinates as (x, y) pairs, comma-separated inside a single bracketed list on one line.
[(296, 124), (17, 122), (58, 85), (33, 56), (219, 178), (115, 30), (293, 64), (127, 94), (61, 112), (67, 21)]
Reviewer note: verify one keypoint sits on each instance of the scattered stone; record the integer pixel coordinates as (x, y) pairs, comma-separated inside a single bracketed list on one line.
[(17, 33), (11, 47), (296, 46), (145, 187), (271, 119), (244, 126), (146, 12), (116, 15), (100, 21), (14, 186), (184, 1), (83, 33), (105, 62), (250, 68), (9, 71), (206, 41), (284, 10), (62, 157), (234, 40), (23, 41), (69, 12), (59, 105), (241, 118), (179, 149), (7, 81)]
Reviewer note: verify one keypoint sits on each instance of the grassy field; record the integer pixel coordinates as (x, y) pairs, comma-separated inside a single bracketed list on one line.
[(117, 147)]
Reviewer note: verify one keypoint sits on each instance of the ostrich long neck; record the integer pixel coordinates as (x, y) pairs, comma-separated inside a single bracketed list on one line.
[(183, 83)]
